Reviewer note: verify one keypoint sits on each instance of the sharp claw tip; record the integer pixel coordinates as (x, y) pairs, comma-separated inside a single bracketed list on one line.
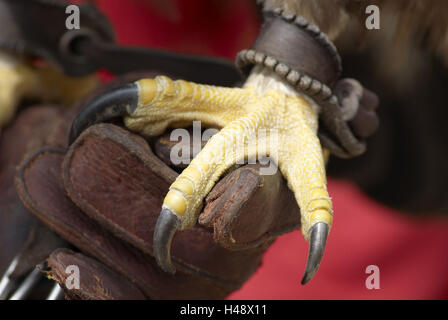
[(170, 269), (117, 102), (306, 278), (318, 239), (166, 227)]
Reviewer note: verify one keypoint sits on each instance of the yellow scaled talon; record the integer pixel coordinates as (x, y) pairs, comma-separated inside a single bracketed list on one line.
[(265, 103)]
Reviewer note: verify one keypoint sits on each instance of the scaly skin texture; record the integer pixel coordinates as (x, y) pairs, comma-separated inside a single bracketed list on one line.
[(19, 80), (285, 126)]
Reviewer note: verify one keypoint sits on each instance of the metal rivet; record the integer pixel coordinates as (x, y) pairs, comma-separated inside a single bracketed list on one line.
[(313, 29), (322, 38), (278, 11), (288, 15), (250, 55), (325, 93), (270, 62), (315, 87), (293, 77), (240, 59), (282, 69), (259, 57), (301, 22), (305, 83)]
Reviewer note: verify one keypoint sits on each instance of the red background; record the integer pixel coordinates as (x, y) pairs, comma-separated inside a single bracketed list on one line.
[(410, 253)]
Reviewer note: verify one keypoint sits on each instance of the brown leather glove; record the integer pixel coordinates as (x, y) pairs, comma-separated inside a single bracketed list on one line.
[(104, 196), (112, 224), (24, 239)]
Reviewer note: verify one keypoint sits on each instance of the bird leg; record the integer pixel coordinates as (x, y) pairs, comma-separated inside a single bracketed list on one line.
[(265, 103), (285, 94), (19, 80)]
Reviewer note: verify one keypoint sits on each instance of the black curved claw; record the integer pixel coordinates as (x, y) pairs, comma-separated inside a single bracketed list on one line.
[(118, 102), (167, 225), (318, 239)]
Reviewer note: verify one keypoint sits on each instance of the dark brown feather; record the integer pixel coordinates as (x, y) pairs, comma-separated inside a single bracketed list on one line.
[(407, 20)]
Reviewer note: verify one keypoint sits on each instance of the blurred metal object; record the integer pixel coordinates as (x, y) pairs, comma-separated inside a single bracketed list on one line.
[(21, 277), (37, 27), (56, 293), (27, 285), (6, 283)]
